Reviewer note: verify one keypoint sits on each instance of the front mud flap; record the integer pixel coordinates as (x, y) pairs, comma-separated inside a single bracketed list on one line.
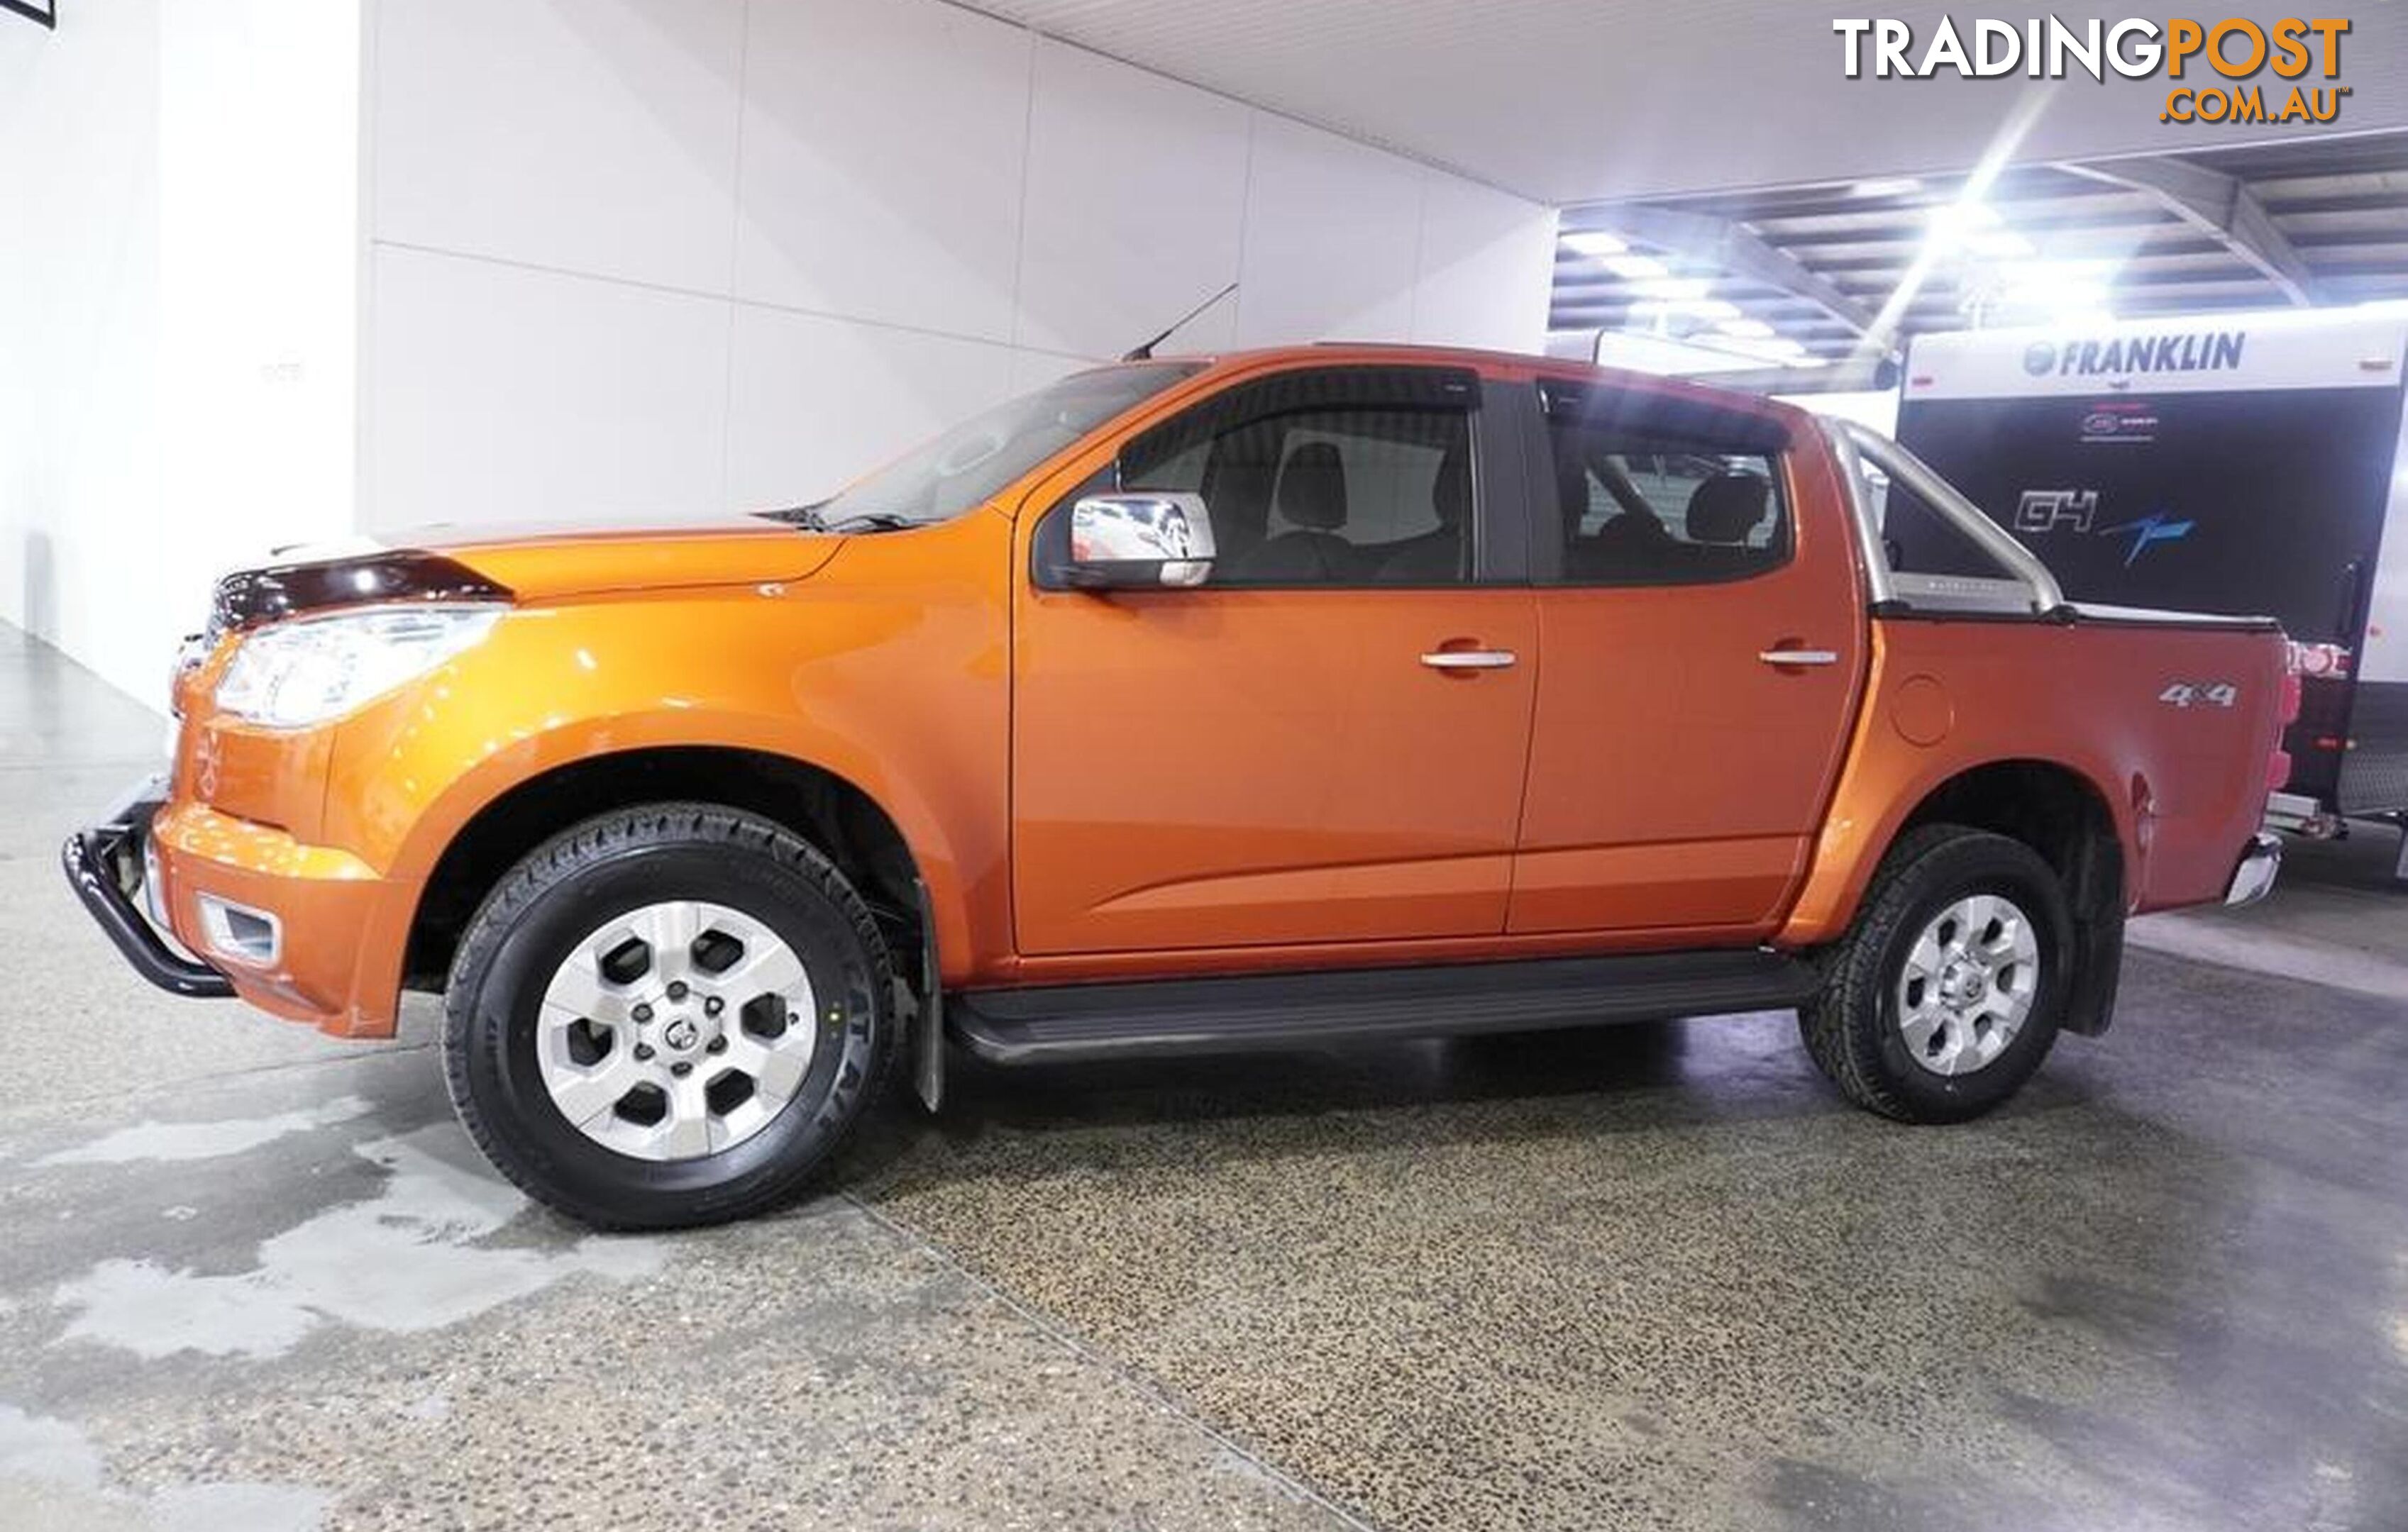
[(928, 1015)]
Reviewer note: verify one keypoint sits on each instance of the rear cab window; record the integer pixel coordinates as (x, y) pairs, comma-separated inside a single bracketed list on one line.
[(1639, 488)]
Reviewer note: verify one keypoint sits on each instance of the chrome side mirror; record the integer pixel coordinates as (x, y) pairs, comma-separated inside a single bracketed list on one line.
[(1134, 541)]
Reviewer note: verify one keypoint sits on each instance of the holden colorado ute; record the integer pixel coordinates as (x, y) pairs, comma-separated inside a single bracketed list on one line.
[(1186, 707)]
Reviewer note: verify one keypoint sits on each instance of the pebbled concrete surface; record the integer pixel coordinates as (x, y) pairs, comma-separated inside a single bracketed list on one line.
[(1660, 1277), (1656, 1276)]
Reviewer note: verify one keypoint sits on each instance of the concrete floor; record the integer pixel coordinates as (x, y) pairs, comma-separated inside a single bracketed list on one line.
[(1653, 1277)]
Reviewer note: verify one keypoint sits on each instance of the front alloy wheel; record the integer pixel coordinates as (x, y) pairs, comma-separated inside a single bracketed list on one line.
[(667, 1016), (676, 1031)]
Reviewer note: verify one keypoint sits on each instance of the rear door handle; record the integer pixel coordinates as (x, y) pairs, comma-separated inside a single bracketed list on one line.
[(1468, 659), (1799, 656)]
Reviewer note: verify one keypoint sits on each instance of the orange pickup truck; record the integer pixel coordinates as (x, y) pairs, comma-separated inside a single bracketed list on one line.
[(1190, 705)]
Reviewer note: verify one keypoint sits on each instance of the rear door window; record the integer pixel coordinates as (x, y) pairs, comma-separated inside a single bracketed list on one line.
[(1642, 493)]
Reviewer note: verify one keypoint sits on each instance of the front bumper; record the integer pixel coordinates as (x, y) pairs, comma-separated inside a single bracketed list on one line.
[(308, 933), (2254, 877), (105, 865)]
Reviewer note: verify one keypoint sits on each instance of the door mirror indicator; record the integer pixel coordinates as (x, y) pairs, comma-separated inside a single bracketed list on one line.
[(1125, 542)]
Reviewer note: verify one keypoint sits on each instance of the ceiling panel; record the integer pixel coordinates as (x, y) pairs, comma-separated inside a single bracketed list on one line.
[(1578, 100), (2153, 235)]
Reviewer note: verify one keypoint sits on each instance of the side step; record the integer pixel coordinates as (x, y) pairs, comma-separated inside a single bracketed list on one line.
[(1165, 1018)]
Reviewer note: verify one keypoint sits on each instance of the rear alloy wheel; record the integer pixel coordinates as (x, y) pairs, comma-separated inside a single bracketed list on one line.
[(1968, 984), (668, 1016), (1944, 997)]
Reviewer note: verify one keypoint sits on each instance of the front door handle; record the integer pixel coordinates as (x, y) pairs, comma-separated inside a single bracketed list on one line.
[(1468, 659), (1799, 656)]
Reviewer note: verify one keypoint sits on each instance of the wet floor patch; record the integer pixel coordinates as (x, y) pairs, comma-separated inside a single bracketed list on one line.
[(174, 1142), (52, 1477), (406, 1260), (33, 1447)]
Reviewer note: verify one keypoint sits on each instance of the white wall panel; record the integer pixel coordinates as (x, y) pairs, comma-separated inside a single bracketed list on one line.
[(597, 135), (1032, 370), (1332, 229), (178, 253), (259, 275), (497, 395), (882, 160), (1137, 195), (815, 402), (756, 245), (79, 485), (1487, 262)]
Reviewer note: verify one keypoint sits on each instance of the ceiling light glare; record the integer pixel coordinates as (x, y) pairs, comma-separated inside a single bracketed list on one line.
[(2000, 244), (1887, 186), (1953, 223), (1636, 268), (2062, 290), (1773, 348), (1592, 242), (1676, 289), (1747, 329), (1696, 312)]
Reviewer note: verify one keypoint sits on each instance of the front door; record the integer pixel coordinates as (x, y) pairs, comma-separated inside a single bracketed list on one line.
[(1324, 742), (1704, 650)]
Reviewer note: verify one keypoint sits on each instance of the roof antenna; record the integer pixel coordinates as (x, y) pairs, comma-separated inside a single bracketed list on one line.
[(1145, 353)]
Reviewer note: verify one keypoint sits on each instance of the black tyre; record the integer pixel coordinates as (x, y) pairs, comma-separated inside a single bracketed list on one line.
[(1945, 994), (668, 1016)]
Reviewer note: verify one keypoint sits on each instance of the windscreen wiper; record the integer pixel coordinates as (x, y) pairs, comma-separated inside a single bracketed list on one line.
[(814, 518), (809, 518)]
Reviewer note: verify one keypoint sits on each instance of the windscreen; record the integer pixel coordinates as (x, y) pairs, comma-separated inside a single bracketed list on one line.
[(976, 460)]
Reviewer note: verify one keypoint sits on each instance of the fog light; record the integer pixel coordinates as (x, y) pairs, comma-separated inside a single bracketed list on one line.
[(247, 936)]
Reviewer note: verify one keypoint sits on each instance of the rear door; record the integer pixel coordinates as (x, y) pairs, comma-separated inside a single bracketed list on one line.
[(1325, 743), (1700, 609)]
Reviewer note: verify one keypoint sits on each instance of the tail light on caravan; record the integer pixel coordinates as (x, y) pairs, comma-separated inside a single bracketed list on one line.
[(2321, 660)]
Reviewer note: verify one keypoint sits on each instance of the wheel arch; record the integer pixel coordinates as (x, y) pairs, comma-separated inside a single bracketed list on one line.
[(839, 817), (2052, 807)]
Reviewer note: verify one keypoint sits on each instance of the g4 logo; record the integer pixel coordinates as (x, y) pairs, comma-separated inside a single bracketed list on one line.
[(2046, 511), (2213, 693)]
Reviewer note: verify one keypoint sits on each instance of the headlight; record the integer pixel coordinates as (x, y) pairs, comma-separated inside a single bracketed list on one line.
[(294, 674)]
